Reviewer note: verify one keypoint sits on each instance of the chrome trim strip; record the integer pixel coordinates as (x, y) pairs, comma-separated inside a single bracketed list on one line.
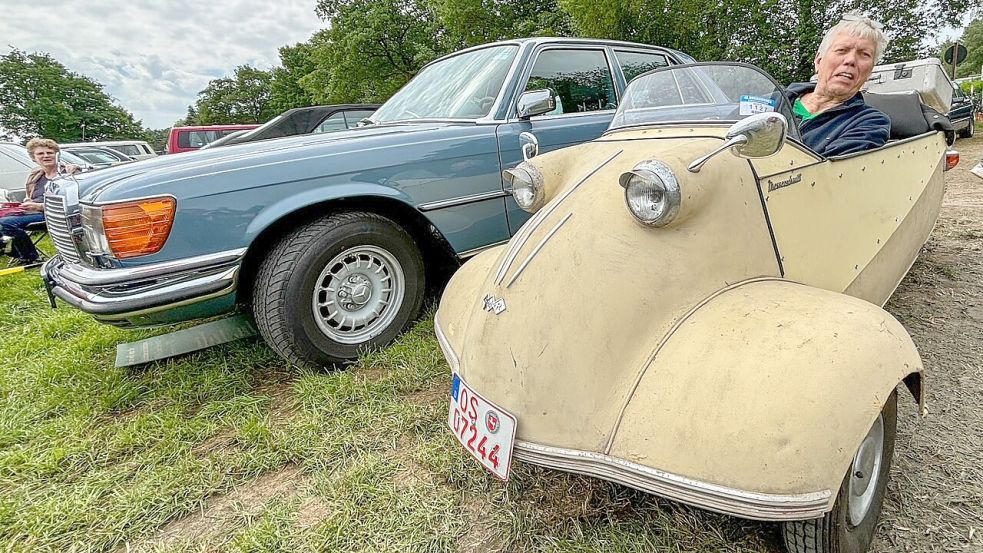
[(476, 251), (714, 497), (538, 247), (85, 276), (527, 229), (445, 346), (463, 200), (130, 200)]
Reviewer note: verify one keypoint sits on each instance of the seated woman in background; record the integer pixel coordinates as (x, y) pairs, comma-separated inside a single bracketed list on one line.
[(44, 152)]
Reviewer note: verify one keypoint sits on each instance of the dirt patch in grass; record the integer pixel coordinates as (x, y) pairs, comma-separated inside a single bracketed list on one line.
[(221, 514), (481, 533), (311, 512), (428, 396)]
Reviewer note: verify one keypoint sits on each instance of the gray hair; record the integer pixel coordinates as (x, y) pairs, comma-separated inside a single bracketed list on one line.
[(857, 25)]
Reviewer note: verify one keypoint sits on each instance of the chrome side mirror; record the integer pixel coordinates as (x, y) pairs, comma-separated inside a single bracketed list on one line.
[(760, 135), (529, 145), (535, 102)]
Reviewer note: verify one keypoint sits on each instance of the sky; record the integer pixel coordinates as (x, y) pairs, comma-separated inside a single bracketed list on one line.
[(154, 57)]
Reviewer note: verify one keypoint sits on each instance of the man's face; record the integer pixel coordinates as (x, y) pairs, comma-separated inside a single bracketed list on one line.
[(845, 67)]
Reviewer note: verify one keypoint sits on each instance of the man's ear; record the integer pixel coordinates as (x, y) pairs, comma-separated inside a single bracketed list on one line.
[(816, 61)]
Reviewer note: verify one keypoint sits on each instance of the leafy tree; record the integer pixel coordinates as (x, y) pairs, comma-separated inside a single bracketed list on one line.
[(972, 39), (41, 97), (286, 91), (781, 36), (373, 47), (244, 98)]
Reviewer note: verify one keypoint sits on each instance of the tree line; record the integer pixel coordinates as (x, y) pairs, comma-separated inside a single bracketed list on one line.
[(370, 48)]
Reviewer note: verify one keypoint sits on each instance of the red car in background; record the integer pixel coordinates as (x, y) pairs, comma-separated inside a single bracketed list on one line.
[(186, 139)]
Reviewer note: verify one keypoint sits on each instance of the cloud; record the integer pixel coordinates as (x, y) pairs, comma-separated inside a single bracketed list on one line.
[(155, 57)]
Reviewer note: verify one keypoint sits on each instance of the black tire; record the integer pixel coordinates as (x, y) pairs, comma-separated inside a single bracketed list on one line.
[(284, 293), (969, 131), (835, 533)]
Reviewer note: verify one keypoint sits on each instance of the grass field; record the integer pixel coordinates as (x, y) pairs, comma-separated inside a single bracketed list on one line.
[(230, 450)]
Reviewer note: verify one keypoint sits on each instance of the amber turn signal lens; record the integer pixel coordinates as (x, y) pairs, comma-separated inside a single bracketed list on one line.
[(951, 159), (138, 228)]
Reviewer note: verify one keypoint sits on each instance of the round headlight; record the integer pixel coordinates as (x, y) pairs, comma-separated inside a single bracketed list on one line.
[(527, 186), (651, 193)]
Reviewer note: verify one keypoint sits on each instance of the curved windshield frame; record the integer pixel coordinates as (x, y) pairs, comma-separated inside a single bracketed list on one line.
[(465, 86), (716, 93)]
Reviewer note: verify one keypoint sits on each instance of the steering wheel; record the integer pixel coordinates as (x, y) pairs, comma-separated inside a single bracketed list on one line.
[(483, 102)]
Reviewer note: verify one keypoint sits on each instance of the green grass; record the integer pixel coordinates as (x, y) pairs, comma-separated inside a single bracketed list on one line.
[(229, 449)]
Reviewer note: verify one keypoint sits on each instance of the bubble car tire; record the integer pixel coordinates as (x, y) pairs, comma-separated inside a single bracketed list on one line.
[(296, 270), (835, 533)]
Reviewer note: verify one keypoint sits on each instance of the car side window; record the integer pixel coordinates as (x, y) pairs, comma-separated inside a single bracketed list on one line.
[(128, 150), (580, 78), (634, 64), (334, 122)]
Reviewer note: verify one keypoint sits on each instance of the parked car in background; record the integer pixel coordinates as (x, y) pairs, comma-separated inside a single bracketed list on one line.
[(694, 309), (328, 238), (16, 164), (189, 139), (306, 120), (99, 156), (963, 113), (136, 149)]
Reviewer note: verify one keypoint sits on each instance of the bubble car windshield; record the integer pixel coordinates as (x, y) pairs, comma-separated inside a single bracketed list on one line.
[(699, 93), (464, 86)]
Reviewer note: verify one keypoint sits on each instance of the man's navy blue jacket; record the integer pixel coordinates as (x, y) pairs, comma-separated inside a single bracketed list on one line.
[(850, 127)]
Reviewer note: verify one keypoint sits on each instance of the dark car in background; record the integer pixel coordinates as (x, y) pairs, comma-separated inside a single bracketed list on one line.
[(306, 120), (962, 114)]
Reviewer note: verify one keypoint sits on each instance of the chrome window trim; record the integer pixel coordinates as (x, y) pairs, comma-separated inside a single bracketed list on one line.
[(713, 497), (463, 200)]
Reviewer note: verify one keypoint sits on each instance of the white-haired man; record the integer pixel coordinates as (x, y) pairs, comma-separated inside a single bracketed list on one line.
[(831, 114)]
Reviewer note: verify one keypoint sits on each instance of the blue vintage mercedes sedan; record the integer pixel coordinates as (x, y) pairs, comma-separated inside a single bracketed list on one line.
[(328, 239)]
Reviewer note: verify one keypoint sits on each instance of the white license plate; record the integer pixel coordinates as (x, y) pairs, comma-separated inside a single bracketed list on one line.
[(485, 430)]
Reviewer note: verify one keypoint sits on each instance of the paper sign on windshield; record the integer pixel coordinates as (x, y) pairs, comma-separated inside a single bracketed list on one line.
[(756, 104)]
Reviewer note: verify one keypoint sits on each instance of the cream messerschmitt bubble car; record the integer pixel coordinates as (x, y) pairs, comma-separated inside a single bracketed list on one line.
[(694, 309)]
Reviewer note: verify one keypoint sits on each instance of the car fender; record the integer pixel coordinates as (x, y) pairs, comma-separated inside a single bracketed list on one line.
[(768, 386), (292, 203)]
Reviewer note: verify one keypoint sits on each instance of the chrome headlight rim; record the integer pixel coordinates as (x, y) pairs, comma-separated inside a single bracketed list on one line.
[(662, 177), (526, 176)]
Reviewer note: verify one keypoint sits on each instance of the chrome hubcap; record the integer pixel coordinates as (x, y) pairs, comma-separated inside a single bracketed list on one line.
[(864, 473), (358, 294)]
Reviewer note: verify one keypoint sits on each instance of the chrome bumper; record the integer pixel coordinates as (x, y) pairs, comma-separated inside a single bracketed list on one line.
[(729, 501), (117, 294), (713, 497)]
